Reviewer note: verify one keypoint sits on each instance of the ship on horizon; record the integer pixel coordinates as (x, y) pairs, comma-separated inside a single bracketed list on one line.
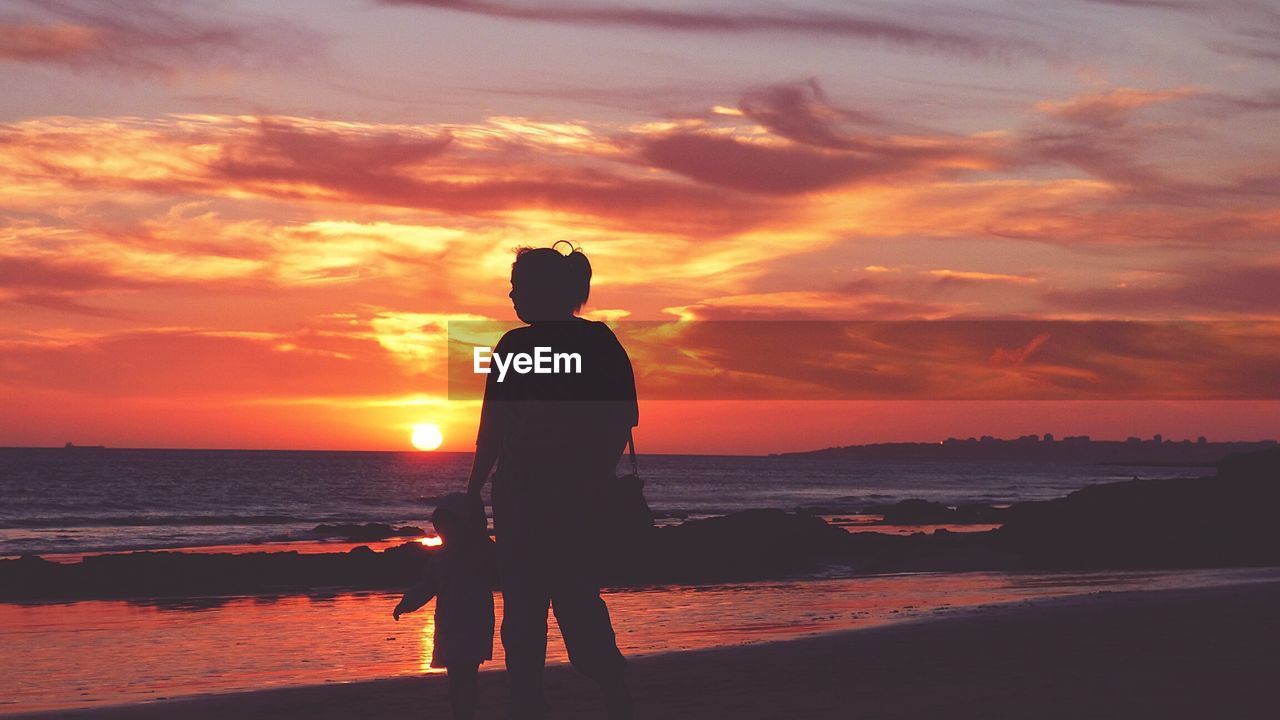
[(73, 446)]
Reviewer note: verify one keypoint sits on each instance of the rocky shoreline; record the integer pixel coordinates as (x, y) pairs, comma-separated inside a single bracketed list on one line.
[(1223, 520)]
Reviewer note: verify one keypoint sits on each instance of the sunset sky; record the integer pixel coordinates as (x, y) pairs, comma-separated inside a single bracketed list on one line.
[(237, 224)]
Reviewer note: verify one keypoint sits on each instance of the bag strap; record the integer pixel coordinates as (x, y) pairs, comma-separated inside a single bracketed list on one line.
[(631, 448)]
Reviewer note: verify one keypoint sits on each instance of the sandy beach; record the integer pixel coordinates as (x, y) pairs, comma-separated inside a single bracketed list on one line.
[(1196, 653)]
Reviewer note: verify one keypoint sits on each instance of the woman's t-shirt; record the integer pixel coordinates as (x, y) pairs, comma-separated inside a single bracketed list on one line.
[(560, 421)]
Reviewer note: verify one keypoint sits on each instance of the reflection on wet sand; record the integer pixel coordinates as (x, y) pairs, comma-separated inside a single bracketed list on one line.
[(106, 652)]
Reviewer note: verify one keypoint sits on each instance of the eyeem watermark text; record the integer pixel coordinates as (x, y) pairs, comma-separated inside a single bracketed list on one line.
[(542, 362), (824, 360)]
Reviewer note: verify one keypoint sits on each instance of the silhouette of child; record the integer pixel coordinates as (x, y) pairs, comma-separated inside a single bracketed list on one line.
[(459, 576)]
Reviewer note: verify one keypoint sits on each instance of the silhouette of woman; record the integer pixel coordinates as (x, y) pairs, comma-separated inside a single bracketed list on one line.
[(554, 438)]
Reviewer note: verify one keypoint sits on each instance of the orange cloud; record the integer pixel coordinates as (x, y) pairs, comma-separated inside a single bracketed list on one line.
[(1206, 290), (144, 37), (394, 166), (1109, 108), (964, 276), (35, 43), (279, 262), (784, 170)]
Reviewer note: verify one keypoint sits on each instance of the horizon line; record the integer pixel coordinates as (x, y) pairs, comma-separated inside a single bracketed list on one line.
[(979, 438)]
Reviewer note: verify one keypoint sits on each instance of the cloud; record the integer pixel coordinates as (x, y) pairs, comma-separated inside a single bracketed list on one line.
[(1110, 108), (1155, 193), (1132, 138), (944, 276), (958, 360), (40, 273), (907, 33), (812, 169), (1095, 132), (216, 204), (60, 285), (1183, 5), (47, 43), (752, 167), (294, 162), (419, 341), (1205, 291), (69, 303), (186, 363), (149, 37), (855, 300), (801, 112), (360, 162), (1264, 101), (1018, 355), (613, 201), (812, 145), (1252, 27), (774, 169), (490, 169), (1259, 47)]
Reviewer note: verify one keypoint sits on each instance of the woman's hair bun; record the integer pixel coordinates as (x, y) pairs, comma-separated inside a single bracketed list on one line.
[(563, 279)]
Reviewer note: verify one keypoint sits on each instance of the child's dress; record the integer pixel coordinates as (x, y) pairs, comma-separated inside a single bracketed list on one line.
[(460, 579)]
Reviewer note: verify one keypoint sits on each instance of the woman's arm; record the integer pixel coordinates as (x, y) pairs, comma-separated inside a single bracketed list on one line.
[(481, 466), (489, 436), (615, 444), (628, 408)]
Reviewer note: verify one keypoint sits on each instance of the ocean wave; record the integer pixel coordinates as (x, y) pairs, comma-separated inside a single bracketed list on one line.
[(171, 520), (152, 520), (95, 536)]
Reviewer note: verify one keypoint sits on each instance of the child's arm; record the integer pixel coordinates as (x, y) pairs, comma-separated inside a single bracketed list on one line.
[(417, 596)]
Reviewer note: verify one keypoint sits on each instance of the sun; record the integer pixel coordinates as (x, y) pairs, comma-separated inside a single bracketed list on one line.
[(427, 436)]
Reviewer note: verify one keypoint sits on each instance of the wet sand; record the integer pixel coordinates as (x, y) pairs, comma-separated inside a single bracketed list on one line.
[(1195, 653)]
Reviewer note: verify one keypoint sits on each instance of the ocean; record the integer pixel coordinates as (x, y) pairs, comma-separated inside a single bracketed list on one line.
[(90, 652), (68, 501)]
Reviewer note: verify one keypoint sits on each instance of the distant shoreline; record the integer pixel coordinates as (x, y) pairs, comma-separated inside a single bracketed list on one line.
[(1153, 452)]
